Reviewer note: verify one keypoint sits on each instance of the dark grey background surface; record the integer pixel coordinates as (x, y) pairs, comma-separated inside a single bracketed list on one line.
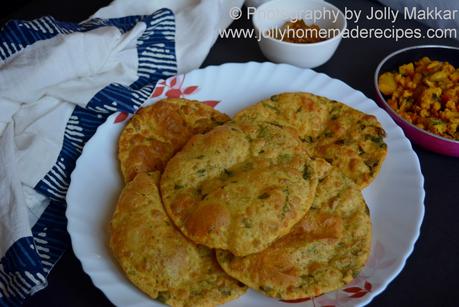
[(430, 277)]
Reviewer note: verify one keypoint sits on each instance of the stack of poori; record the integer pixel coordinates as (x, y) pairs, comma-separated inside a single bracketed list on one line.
[(270, 199)]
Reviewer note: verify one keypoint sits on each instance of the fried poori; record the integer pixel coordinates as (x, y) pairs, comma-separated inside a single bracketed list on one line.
[(155, 133), (157, 258), (322, 253), (347, 138), (240, 186)]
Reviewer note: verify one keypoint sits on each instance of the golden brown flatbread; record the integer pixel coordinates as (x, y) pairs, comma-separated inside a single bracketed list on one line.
[(347, 138), (322, 253), (158, 259), (240, 186), (155, 133)]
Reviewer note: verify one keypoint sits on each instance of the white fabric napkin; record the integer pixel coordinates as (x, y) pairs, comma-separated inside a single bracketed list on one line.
[(57, 83), (197, 22)]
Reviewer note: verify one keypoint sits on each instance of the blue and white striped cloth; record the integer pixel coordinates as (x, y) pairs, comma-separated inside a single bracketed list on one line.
[(58, 82), (30, 244)]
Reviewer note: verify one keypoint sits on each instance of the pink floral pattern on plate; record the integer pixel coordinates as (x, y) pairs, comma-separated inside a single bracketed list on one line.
[(173, 88), (170, 88)]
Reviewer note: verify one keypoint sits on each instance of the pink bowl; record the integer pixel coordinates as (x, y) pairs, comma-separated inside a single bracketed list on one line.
[(417, 135)]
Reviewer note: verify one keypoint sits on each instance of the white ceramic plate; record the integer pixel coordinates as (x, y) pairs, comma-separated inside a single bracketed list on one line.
[(395, 198)]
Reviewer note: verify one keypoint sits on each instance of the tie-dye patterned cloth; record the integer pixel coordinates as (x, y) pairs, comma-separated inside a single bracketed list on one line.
[(58, 82)]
